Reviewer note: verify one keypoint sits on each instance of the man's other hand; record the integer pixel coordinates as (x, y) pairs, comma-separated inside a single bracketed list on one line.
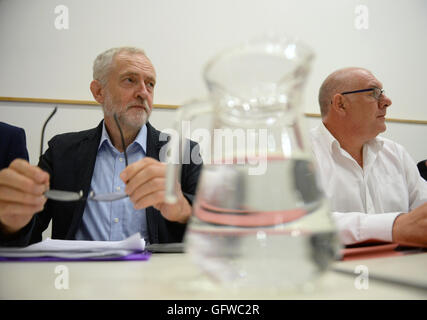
[(146, 186)]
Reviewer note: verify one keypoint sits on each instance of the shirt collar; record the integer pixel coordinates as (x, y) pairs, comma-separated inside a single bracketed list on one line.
[(376, 143), (329, 139), (141, 138)]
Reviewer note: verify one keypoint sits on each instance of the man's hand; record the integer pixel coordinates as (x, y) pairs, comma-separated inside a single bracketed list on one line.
[(146, 186), (21, 194), (411, 228)]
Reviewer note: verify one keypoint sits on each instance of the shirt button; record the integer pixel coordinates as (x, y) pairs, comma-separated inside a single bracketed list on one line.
[(118, 188), (121, 159), (116, 220)]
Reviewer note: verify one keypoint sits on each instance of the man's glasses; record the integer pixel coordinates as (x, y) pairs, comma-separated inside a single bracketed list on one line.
[(376, 92), (60, 195)]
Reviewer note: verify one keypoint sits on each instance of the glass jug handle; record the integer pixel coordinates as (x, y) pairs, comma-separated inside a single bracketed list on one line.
[(185, 113)]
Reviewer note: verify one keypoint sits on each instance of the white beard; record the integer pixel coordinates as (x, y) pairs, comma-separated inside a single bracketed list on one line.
[(134, 121)]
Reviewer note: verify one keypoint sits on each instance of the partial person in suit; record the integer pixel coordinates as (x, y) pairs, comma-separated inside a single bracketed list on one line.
[(374, 187), (123, 83), (13, 144), (422, 168)]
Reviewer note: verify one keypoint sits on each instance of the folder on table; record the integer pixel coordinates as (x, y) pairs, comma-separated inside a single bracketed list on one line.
[(132, 248)]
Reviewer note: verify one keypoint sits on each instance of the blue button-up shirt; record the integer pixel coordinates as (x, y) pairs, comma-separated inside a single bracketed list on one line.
[(118, 219)]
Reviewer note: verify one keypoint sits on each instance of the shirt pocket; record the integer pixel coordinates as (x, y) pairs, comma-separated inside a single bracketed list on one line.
[(345, 193), (391, 191)]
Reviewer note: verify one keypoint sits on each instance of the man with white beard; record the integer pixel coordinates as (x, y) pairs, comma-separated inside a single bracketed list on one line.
[(94, 162)]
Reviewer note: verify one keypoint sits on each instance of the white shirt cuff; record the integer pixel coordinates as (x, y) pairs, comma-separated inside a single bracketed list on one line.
[(378, 226)]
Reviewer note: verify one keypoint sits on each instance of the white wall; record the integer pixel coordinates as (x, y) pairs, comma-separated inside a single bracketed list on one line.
[(37, 60)]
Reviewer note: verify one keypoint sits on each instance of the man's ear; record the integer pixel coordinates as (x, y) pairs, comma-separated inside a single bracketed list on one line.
[(97, 91), (338, 104)]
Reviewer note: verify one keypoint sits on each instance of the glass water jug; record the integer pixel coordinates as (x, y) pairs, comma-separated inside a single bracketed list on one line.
[(259, 217)]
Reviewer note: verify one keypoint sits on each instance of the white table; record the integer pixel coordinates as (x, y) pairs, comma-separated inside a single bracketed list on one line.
[(174, 277)]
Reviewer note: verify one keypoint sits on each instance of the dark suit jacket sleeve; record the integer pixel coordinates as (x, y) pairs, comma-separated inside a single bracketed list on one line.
[(422, 168), (13, 144), (18, 146)]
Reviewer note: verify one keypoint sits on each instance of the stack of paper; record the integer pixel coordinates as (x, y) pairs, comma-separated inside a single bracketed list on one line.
[(78, 250)]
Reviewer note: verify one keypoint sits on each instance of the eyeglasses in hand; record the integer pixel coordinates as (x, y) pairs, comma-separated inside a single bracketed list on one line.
[(60, 195)]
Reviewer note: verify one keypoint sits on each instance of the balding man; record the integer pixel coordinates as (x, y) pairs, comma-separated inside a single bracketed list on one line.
[(374, 187)]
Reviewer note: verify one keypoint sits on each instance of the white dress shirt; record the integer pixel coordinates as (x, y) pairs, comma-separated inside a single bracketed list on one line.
[(366, 201)]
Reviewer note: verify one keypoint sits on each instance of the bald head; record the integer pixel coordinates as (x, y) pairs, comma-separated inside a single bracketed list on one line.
[(338, 81)]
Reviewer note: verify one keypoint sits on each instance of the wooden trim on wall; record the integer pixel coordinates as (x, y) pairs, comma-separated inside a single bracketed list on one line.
[(73, 102), (164, 106), (54, 101), (317, 115)]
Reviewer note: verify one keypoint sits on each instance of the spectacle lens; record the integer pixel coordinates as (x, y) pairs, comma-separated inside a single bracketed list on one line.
[(60, 195), (107, 196), (378, 92)]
